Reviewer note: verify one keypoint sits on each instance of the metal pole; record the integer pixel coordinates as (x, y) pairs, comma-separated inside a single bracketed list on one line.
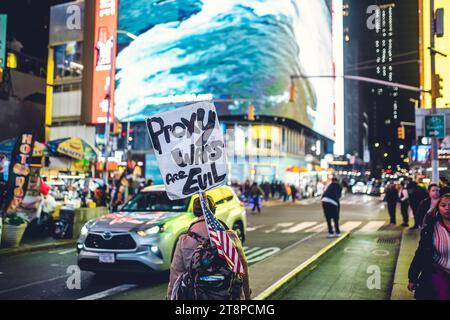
[(434, 141), (108, 114)]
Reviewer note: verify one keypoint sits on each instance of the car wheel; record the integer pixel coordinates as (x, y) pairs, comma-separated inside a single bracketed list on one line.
[(238, 227)]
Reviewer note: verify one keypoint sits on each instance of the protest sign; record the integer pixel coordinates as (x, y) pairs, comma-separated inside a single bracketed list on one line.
[(189, 148)]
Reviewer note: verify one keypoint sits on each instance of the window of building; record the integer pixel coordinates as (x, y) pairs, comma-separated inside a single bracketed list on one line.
[(68, 63)]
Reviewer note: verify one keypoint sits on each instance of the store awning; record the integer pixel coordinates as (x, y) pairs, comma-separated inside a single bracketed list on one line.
[(297, 169), (74, 148), (7, 147)]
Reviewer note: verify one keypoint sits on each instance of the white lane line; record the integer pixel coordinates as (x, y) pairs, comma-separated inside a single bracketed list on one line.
[(350, 225), (372, 226), (279, 225), (300, 226), (255, 227), (318, 228), (262, 254), (32, 284), (247, 251), (110, 292), (67, 251)]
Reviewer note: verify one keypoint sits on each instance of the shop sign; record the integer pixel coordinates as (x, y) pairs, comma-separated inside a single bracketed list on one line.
[(3, 19), (189, 148), (104, 51), (19, 172)]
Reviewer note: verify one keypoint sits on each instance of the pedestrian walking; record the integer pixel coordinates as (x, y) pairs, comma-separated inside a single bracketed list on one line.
[(331, 207), (429, 273), (428, 204), (255, 194), (392, 200), (186, 248), (293, 192), (266, 188), (416, 195), (404, 203)]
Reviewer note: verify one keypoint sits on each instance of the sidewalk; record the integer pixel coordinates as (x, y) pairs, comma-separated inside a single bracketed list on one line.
[(37, 245), (410, 240), (273, 274)]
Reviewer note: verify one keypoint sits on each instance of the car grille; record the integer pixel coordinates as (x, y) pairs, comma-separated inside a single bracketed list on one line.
[(116, 242)]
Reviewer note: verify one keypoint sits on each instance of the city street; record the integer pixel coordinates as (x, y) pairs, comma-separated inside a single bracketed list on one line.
[(43, 275)]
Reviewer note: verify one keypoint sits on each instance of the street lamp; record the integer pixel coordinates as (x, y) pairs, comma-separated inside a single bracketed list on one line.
[(127, 142), (111, 79)]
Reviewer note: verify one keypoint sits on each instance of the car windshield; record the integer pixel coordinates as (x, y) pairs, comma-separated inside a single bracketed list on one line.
[(155, 201)]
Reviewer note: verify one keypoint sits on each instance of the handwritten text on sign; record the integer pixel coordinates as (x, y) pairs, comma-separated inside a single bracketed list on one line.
[(189, 147)]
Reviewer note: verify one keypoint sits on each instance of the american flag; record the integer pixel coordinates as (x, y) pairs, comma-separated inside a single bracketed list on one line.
[(219, 237)]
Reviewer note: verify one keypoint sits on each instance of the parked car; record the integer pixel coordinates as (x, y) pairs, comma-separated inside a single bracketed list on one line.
[(359, 187), (143, 235)]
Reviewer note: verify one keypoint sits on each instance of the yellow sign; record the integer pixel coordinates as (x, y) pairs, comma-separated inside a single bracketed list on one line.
[(442, 44), (72, 148)]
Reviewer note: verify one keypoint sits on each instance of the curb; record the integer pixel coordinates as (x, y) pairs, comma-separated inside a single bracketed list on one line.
[(400, 281), (31, 248), (288, 277)]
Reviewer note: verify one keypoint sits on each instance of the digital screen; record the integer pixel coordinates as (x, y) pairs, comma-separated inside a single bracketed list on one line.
[(236, 52)]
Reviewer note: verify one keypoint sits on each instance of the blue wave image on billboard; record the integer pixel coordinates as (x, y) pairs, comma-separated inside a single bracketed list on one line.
[(240, 52)]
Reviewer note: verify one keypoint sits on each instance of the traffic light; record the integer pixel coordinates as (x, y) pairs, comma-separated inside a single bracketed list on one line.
[(251, 113), (401, 133), (118, 128), (436, 86), (292, 91)]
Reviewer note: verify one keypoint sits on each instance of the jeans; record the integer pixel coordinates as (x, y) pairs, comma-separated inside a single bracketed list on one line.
[(392, 206), (331, 213)]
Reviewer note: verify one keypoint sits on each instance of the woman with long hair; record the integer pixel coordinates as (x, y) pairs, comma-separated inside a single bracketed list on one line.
[(429, 273)]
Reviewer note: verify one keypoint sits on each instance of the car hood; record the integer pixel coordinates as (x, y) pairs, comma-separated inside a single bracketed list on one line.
[(131, 221)]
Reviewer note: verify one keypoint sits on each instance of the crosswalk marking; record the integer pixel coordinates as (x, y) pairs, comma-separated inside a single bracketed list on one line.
[(350, 225), (255, 227), (256, 254), (262, 254), (318, 228), (299, 226), (372, 226), (279, 225), (248, 251)]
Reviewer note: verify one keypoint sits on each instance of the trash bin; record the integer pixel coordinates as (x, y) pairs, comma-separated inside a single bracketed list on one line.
[(64, 225)]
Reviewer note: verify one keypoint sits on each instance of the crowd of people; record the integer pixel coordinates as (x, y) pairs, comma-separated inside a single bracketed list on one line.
[(253, 193)]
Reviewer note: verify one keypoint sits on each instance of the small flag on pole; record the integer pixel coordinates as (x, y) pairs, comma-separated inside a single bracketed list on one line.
[(221, 240)]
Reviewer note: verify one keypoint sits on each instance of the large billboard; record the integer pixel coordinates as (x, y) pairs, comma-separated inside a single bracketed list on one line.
[(238, 52), (98, 61)]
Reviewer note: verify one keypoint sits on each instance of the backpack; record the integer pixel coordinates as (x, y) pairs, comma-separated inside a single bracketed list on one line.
[(208, 276)]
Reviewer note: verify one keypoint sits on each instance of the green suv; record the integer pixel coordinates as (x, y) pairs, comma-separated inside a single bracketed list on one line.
[(143, 235)]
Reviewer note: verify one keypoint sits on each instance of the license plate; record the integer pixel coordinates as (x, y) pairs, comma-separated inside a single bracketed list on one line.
[(106, 258)]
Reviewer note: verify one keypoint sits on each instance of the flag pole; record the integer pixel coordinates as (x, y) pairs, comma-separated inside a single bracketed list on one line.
[(204, 204)]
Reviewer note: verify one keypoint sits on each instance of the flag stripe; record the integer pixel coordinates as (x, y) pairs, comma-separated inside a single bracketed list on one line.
[(222, 241)]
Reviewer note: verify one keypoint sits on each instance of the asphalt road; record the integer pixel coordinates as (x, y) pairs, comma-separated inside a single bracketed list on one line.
[(50, 274)]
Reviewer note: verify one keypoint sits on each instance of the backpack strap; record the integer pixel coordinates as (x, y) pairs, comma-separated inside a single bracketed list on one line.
[(196, 236)]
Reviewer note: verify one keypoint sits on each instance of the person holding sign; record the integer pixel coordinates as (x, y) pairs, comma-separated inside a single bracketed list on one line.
[(185, 269), (208, 262)]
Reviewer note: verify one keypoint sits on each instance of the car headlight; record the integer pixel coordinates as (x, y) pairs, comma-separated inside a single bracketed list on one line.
[(84, 231), (150, 231)]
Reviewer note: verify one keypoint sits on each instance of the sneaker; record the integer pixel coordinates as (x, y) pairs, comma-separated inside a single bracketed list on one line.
[(330, 235), (337, 235)]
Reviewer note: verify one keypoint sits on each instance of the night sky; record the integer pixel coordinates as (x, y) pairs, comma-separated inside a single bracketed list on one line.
[(28, 21)]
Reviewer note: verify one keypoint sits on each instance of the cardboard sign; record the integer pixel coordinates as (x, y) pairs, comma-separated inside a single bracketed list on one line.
[(189, 147)]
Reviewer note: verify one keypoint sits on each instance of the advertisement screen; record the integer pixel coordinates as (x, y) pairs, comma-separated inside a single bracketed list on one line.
[(273, 54)]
